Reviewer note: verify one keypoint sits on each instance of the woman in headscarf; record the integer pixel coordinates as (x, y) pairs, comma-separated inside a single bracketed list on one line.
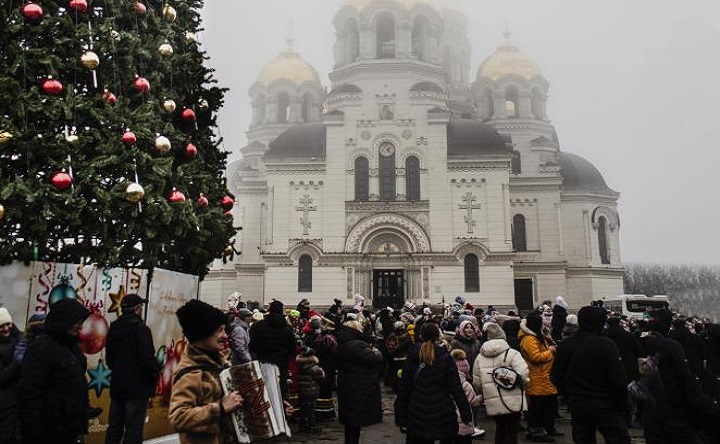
[(466, 340), (541, 393)]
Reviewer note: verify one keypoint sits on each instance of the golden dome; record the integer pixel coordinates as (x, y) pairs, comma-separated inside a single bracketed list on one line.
[(288, 66), (508, 59)]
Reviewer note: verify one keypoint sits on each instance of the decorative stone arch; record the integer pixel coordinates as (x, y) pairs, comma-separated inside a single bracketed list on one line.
[(303, 247), (411, 152), (371, 12), (430, 13), (611, 216), (341, 18), (471, 247), (360, 152), (368, 231), (509, 80), (386, 137)]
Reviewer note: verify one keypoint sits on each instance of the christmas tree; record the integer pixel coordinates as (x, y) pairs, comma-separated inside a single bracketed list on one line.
[(108, 152)]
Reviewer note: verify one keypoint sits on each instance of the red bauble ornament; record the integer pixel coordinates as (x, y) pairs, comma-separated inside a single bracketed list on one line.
[(140, 9), (203, 201), (190, 151), (188, 115), (32, 11), (109, 97), (52, 87), (129, 138), (79, 5), (227, 203), (142, 85), (61, 180), (176, 196), (93, 333)]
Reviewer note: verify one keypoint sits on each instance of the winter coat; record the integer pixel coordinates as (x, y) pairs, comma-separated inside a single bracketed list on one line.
[(398, 344), (194, 410), (130, 354), (539, 359), (52, 391), (470, 345), (239, 342), (309, 374), (588, 367), (474, 398), (557, 324), (629, 347), (358, 381), (493, 355), (427, 398), (569, 330), (272, 340), (9, 370)]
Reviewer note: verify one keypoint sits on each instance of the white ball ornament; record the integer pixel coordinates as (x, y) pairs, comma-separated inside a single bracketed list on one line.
[(162, 144), (134, 192), (166, 50), (169, 106), (169, 13), (90, 60)]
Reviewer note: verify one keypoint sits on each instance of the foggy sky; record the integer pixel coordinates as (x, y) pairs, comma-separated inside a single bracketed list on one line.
[(634, 88)]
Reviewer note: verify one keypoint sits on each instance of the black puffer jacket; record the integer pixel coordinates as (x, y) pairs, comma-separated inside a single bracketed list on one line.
[(272, 340), (130, 353), (427, 398), (9, 370), (629, 347), (309, 376), (358, 390), (53, 391)]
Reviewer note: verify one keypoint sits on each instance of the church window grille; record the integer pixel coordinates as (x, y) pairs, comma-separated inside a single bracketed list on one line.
[(387, 171), (472, 273), (305, 273), (603, 241), (385, 33), (519, 234), (516, 163), (412, 178), (283, 108), (362, 179)]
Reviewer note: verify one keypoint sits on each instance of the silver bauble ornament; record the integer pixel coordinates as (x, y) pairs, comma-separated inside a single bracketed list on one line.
[(169, 13), (90, 60), (166, 50), (134, 192), (162, 144), (169, 106), (190, 37)]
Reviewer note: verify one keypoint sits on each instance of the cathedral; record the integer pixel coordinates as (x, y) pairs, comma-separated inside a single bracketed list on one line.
[(412, 177)]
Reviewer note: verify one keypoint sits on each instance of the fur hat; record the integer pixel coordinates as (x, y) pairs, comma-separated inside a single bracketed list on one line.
[(232, 302), (199, 320), (399, 325), (562, 302), (258, 316), (571, 319), (494, 331), (592, 318), (355, 325), (5, 317), (276, 307)]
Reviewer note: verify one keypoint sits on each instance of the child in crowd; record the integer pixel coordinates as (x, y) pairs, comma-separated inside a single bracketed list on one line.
[(309, 376), (466, 432)]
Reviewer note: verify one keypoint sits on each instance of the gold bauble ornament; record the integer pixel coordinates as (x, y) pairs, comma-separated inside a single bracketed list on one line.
[(190, 37), (169, 105), (2, 211), (5, 137), (166, 50), (162, 144), (134, 192), (169, 13), (90, 60)]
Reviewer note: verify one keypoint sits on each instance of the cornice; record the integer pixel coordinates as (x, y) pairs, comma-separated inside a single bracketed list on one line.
[(595, 271)]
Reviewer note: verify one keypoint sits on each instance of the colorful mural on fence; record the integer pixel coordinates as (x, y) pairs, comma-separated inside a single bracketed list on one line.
[(29, 289)]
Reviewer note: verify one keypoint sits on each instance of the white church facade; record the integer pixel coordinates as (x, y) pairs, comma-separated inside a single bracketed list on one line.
[(410, 179)]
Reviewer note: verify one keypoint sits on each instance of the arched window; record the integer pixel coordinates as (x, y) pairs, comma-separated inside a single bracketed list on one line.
[(387, 171), (516, 163), (511, 102), (283, 113), (362, 179), (412, 178), (603, 240), (472, 273), (420, 34), (305, 273), (519, 236), (353, 40), (537, 104), (260, 109), (307, 107), (385, 36), (448, 66)]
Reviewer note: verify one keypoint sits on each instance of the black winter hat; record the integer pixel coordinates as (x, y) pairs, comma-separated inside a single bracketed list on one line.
[(534, 322), (276, 307), (592, 318), (660, 321), (64, 314), (199, 320)]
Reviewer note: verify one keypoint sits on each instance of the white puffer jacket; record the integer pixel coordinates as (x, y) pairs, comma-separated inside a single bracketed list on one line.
[(492, 354)]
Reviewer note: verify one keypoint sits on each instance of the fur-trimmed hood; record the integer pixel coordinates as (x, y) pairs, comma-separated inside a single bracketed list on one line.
[(494, 347)]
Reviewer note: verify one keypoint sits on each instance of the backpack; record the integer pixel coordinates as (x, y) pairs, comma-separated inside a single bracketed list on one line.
[(506, 378)]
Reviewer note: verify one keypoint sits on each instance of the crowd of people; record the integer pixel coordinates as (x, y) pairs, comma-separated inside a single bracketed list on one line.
[(450, 367)]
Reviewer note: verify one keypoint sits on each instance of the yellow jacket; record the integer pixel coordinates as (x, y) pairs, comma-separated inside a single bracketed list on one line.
[(539, 359)]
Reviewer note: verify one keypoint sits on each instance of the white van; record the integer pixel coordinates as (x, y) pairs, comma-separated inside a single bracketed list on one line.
[(637, 306)]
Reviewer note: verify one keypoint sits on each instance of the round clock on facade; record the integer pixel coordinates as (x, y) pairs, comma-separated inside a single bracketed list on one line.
[(387, 149)]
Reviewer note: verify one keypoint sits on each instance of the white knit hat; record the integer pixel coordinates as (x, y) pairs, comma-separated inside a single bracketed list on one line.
[(5, 317)]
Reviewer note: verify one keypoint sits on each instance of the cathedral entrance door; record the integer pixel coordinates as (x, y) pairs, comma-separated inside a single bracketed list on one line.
[(524, 297), (388, 288)]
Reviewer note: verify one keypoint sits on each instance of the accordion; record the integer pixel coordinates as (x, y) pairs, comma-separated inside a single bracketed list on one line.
[(262, 415)]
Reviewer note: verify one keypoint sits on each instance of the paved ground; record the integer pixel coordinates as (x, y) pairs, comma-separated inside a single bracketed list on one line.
[(387, 433)]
